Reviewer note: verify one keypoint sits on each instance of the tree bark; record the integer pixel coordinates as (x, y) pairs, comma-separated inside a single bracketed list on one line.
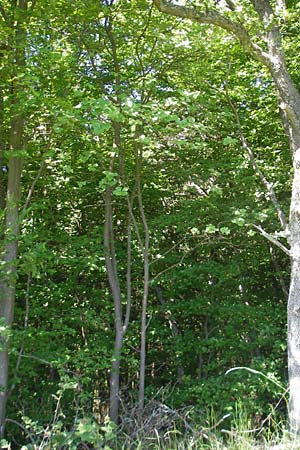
[(145, 251), (10, 245), (114, 398), (289, 104), (112, 273), (3, 175)]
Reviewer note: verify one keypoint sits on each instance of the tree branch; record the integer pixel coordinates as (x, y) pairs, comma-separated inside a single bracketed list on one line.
[(31, 189), (272, 239), (213, 17)]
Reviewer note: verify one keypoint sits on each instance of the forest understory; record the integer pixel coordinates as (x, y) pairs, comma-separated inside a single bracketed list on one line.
[(149, 224)]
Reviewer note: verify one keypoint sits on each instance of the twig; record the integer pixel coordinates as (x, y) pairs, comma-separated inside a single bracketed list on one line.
[(26, 317), (15, 422), (128, 277), (167, 251), (176, 264), (48, 363), (31, 189), (256, 372)]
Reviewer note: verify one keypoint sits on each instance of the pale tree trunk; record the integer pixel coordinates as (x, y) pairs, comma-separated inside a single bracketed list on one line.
[(294, 301), (289, 103), (3, 175), (145, 250), (10, 245)]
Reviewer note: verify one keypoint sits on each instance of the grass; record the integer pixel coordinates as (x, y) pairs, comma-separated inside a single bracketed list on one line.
[(162, 428)]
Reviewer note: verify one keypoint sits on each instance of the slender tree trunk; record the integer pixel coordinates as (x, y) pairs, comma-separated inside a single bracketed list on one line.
[(111, 268), (3, 175), (10, 247), (115, 378), (139, 154)]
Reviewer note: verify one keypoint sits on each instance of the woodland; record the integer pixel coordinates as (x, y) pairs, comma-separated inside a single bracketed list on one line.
[(149, 224)]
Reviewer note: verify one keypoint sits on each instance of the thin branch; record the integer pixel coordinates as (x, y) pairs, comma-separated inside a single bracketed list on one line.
[(246, 147), (31, 189), (169, 268), (139, 155), (135, 225), (26, 317), (50, 364), (272, 239), (128, 276), (15, 422), (180, 261), (41, 360), (166, 252)]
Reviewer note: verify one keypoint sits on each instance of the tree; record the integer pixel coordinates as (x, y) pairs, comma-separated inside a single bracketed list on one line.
[(16, 58), (270, 53)]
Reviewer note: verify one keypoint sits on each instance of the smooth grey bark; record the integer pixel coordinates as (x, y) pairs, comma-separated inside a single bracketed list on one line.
[(3, 175), (289, 103), (145, 295)]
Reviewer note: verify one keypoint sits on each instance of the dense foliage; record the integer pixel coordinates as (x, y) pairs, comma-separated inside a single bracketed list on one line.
[(118, 98)]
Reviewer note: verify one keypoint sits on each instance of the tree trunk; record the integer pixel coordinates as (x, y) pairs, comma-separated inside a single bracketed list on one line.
[(111, 268), (289, 102), (145, 249), (10, 246), (3, 175), (294, 302), (114, 398)]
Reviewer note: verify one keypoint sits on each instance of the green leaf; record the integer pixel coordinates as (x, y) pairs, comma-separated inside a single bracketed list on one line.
[(210, 229), (229, 141), (225, 231), (99, 127), (120, 191), (239, 221)]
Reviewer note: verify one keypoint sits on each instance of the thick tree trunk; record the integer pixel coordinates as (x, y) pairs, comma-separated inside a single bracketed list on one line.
[(289, 102), (294, 302)]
